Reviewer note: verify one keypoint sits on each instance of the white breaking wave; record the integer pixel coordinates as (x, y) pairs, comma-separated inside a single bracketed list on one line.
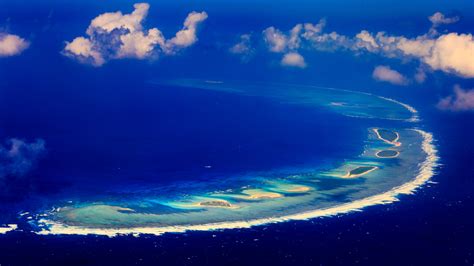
[(426, 171), (10, 227), (410, 108)]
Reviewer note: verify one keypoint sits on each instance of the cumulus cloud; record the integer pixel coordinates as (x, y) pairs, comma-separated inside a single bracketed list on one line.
[(293, 59), (277, 41), (115, 35), (187, 36), (289, 43), (439, 18), (420, 75), (451, 52), (461, 100), (11, 44), (243, 47), (18, 157), (83, 50), (280, 42), (386, 74)]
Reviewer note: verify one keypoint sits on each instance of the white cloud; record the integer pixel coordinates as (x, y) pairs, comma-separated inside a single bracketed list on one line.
[(420, 75), (451, 52), (242, 47), (293, 59), (462, 100), (138, 44), (385, 73), (311, 30), (439, 18), (294, 40), (290, 43), (280, 42), (115, 35), (116, 20), (83, 50), (11, 45), (18, 157), (187, 36), (277, 41), (365, 40)]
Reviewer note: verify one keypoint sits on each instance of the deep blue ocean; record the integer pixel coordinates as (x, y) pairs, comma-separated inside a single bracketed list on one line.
[(106, 128), (114, 139), (432, 227)]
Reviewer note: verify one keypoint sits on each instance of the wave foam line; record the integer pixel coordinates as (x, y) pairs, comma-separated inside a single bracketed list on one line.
[(427, 170), (410, 108), (10, 227)]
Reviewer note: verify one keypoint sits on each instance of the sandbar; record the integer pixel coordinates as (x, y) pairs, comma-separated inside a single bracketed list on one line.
[(387, 136), (360, 171), (252, 194), (289, 188), (216, 203)]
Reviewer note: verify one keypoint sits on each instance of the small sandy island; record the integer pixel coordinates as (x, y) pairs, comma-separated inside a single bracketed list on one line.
[(386, 154), (337, 103), (289, 188), (360, 171), (252, 194), (204, 202), (261, 194), (298, 189), (388, 136), (216, 203)]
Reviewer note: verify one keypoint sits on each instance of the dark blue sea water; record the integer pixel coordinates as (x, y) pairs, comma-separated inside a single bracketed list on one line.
[(429, 228), (113, 136)]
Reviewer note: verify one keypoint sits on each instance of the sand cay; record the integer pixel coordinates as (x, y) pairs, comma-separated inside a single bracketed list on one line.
[(216, 203), (360, 171), (202, 202), (298, 189), (251, 194), (257, 194), (260, 194), (288, 188), (388, 136)]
